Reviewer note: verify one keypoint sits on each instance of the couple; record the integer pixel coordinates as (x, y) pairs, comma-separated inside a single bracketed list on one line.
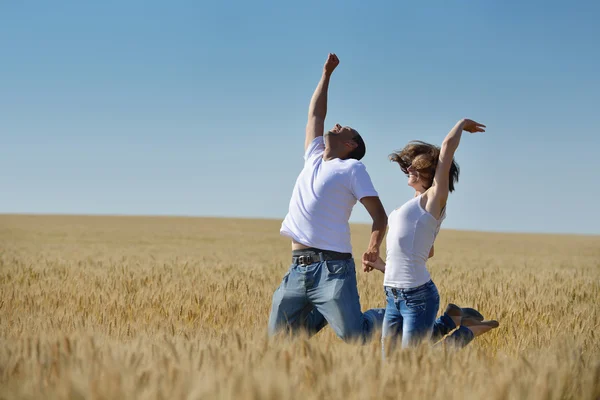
[(320, 286)]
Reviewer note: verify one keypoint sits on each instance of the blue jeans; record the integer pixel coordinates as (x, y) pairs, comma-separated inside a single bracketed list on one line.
[(410, 315), (311, 296)]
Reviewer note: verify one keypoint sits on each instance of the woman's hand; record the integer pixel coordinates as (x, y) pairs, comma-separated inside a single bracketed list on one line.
[(471, 126), (379, 264)]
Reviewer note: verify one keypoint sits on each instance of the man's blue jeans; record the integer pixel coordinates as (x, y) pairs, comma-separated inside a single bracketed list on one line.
[(310, 296)]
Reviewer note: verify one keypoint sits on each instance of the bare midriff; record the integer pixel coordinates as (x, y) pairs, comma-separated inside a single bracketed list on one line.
[(298, 246)]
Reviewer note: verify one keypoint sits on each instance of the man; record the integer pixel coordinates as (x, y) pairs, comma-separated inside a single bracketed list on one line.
[(320, 286)]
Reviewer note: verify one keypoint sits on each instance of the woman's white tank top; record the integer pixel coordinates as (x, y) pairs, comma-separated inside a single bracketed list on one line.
[(411, 233)]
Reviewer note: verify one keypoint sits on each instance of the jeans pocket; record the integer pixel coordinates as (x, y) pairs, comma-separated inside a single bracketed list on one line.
[(416, 304), (336, 267), (418, 300), (286, 277)]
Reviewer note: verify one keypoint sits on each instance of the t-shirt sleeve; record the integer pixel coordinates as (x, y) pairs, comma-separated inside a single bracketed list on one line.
[(315, 148), (361, 184)]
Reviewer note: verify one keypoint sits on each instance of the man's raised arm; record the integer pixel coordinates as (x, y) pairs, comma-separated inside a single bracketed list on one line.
[(317, 111)]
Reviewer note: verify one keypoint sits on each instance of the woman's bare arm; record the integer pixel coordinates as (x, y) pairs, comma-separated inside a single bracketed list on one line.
[(438, 196)]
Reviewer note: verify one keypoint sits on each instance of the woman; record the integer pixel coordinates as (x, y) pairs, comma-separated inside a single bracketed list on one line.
[(412, 297)]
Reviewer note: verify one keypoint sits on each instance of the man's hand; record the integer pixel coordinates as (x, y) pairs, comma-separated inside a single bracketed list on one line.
[(371, 255), (331, 63)]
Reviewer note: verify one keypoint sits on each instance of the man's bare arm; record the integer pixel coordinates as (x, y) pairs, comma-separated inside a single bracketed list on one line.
[(317, 111), (377, 213)]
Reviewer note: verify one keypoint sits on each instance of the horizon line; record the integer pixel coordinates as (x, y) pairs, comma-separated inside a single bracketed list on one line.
[(113, 215)]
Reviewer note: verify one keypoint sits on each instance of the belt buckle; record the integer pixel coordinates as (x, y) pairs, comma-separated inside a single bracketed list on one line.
[(305, 260)]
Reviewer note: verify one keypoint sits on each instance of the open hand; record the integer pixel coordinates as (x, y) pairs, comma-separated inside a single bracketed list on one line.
[(331, 63), (471, 126)]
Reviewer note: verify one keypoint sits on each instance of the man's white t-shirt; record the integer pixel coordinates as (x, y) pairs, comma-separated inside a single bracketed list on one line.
[(323, 198)]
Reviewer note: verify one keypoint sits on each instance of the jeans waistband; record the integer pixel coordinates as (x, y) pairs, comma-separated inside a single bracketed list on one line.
[(395, 290)]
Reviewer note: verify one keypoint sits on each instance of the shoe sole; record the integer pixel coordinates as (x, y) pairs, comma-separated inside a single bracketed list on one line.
[(453, 309)]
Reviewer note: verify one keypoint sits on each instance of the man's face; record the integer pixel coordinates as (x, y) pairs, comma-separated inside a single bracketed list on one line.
[(340, 134)]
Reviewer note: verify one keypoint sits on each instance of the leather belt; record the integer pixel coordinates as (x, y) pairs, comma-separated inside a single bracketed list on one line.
[(312, 255)]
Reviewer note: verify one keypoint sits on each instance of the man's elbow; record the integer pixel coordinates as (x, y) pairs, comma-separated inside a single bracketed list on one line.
[(381, 221)]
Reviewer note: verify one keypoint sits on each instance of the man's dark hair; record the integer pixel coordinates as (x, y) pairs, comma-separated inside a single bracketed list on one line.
[(359, 152)]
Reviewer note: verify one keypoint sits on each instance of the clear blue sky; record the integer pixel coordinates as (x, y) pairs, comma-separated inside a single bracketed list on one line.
[(199, 108)]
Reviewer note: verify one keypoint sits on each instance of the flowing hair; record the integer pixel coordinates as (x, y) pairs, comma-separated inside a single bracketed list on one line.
[(423, 157)]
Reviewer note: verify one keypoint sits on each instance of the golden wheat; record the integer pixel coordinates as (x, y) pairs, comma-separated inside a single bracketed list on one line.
[(157, 308)]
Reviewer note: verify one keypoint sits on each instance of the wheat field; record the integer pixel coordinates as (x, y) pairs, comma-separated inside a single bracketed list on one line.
[(177, 308)]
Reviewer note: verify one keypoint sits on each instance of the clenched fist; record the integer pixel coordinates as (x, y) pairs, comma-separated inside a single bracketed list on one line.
[(332, 62)]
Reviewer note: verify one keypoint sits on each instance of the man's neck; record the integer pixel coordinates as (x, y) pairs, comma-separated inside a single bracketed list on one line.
[(330, 154)]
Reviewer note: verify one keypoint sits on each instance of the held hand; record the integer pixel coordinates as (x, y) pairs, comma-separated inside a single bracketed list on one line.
[(331, 63), (371, 255), (378, 264), (471, 126)]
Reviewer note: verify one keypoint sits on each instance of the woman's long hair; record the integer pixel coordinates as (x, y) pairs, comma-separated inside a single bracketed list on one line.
[(423, 157)]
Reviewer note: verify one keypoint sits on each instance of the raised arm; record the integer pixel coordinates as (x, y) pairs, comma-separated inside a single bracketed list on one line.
[(317, 111), (441, 181)]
